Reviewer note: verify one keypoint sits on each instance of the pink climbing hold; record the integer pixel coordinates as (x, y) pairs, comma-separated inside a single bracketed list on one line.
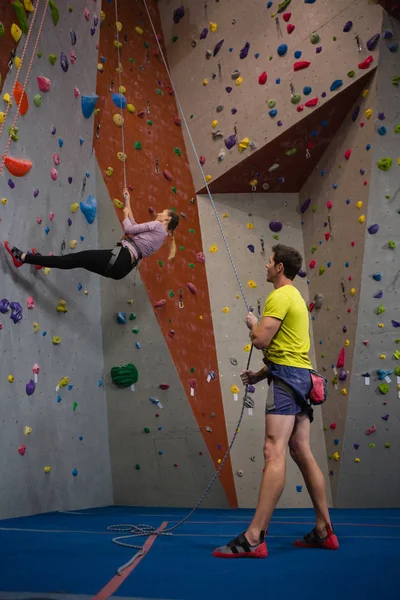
[(177, 121), (30, 303), (301, 64), (286, 16), (54, 174), (202, 160), (171, 333), (290, 28), (312, 102), (347, 154), (366, 63), (329, 204), (22, 450), (192, 383), (56, 159), (200, 257), (340, 360), (87, 14), (72, 57), (312, 264), (44, 83), (262, 80), (159, 303), (167, 175), (192, 288), (76, 92)]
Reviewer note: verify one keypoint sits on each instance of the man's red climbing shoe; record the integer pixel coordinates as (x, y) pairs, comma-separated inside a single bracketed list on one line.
[(312, 540), (240, 548), (15, 254)]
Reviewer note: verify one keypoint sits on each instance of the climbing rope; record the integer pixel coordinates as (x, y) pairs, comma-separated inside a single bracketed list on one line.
[(21, 63), (25, 82), (147, 530), (119, 90)]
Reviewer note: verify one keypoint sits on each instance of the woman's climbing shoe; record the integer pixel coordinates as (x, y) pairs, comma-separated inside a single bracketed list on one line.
[(240, 548), (313, 540), (15, 254)]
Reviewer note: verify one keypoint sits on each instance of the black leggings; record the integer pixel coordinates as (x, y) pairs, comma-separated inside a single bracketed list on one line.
[(95, 261)]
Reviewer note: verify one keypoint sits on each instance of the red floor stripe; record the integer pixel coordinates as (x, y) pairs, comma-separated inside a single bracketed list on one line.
[(110, 588)]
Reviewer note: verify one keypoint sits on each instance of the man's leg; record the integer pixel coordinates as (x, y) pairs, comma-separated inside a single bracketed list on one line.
[(300, 451), (278, 429)]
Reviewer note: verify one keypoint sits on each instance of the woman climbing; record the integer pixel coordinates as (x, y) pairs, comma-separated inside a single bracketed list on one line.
[(140, 241)]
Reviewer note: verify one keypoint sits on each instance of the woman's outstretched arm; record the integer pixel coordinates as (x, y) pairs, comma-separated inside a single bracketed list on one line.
[(127, 211)]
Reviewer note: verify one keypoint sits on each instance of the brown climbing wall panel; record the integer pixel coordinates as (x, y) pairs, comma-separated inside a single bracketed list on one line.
[(7, 17), (160, 147)]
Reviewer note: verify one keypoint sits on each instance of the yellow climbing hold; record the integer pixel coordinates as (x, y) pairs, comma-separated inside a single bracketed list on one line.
[(47, 469), (344, 392), (102, 16), (63, 382), (10, 378), (73, 244), (382, 356), (96, 111), (109, 171), (251, 283), (119, 26), (365, 93), (353, 292), (225, 309), (28, 430), (213, 27), (253, 183), (139, 30), (205, 81), (238, 81), (2, 117), (336, 456), (62, 306), (4, 200), (243, 144), (208, 178), (214, 123), (213, 248), (36, 327), (118, 203), (7, 99), (100, 67), (122, 89), (28, 6), (381, 325), (235, 389), (250, 225), (247, 347), (131, 108), (361, 219), (118, 120), (347, 343), (356, 460), (122, 156), (16, 32), (225, 215), (74, 207), (17, 61), (117, 44), (56, 340), (46, 270), (368, 113), (359, 204)]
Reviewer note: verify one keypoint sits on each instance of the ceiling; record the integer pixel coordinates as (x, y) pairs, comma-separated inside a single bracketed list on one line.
[(315, 131)]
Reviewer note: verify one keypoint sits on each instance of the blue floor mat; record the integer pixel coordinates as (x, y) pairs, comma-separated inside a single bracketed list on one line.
[(73, 553)]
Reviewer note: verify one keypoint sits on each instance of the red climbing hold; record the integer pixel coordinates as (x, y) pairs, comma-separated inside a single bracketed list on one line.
[(340, 360), (290, 28), (164, 386), (347, 154), (301, 64), (177, 121), (171, 333), (332, 425), (353, 244), (286, 16), (300, 108), (169, 90), (366, 63), (262, 80), (311, 306), (312, 264), (17, 167), (167, 175), (22, 450), (312, 102), (329, 204), (160, 303), (192, 288), (202, 160), (327, 235)]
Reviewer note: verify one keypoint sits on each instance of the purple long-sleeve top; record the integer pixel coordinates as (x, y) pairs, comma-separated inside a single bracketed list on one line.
[(148, 237)]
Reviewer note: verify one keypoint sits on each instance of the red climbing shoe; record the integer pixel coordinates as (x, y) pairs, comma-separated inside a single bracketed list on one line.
[(240, 548), (15, 254), (312, 540)]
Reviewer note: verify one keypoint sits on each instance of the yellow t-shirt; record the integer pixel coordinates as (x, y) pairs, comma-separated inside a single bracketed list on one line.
[(291, 343)]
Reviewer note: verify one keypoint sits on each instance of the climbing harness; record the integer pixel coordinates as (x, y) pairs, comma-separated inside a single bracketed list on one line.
[(26, 78), (148, 530)]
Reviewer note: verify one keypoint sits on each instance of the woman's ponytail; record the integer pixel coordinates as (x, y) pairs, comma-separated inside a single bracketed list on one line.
[(172, 250), (172, 225)]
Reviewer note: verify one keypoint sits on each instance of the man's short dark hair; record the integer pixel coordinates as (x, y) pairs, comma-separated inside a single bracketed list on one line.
[(289, 257)]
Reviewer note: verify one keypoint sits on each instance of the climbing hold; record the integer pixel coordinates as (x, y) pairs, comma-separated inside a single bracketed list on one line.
[(192, 288), (167, 175), (251, 283), (361, 219), (382, 130), (301, 64), (312, 102), (88, 104), (383, 388), (336, 85), (225, 310), (245, 50), (348, 26), (54, 174), (179, 13), (62, 306), (373, 229), (314, 38), (392, 245), (44, 84), (218, 47), (56, 340), (290, 28), (373, 41), (273, 112), (365, 64), (282, 49), (21, 98), (16, 32), (124, 375), (275, 226), (17, 167), (30, 303), (262, 79), (30, 387), (384, 164)]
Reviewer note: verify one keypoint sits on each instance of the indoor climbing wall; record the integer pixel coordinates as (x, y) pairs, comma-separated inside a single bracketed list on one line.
[(252, 224), (333, 205), (54, 442), (245, 75), (371, 445), (171, 340)]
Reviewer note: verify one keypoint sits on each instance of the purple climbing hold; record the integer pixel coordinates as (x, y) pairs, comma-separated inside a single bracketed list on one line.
[(323, 95), (70, 180), (30, 387), (302, 273), (388, 35), (230, 141), (36, 193), (64, 62), (373, 229), (204, 33), (251, 248), (73, 37), (344, 329), (96, 21), (251, 389), (16, 312), (305, 205), (179, 13), (362, 171), (347, 27), (93, 30), (355, 114), (378, 294), (228, 89), (342, 374), (318, 49), (395, 323), (218, 47), (275, 226), (53, 131), (11, 184), (69, 222), (234, 111), (279, 123), (385, 418), (4, 306), (356, 446), (372, 42), (381, 116), (245, 50)]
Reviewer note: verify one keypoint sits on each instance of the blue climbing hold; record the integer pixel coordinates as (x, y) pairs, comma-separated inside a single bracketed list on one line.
[(309, 1), (89, 209), (298, 53), (47, 230), (273, 112), (137, 345), (323, 172), (80, 286), (336, 442), (299, 488), (251, 248), (75, 472), (314, 133), (60, 142), (119, 100), (81, 141), (121, 318), (368, 147), (378, 294), (324, 123), (394, 46), (329, 264), (282, 49), (257, 54), (347, 264), (269, 4), (88, 105), (348, 201), (336, 85), (382, 130), (59, 398), (277, 81), (377, 276), (307, 90)]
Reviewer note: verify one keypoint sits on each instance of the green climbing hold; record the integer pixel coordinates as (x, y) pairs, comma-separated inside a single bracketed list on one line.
[(149, 122), (137, 146), (146, 430), (13, 132), (191, 230), (146, 45), (2, 29), (396, 80), (173, 189), (191, 265), (52, 59), (283, 5), (137, 467), (21, 14), (276, 237), (131, 60), (384, 164), (322, 355), (392, 245), (191, 116), (397, 371), (55, 13), (171, 294), (334, 38), (314, 208), (396, 355), (135, 330), (37, 100), (387, 445), (397, 128), (350, 74), (322, 270), (291, 152), (181, 248), (314, 38), (160, 263), (177, 151), (192, 369), (313, 249), (295, 99), (383, 388), (159, 92), (271, 103), (175, 38), (132, 316), (74, 406), (381, 309), (40, 54), (124, 375)]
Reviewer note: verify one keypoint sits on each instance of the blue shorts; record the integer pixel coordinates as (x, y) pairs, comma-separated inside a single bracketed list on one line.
[(284, 401)]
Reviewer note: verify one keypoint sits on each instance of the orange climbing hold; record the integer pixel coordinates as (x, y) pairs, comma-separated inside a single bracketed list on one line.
[(17, 166), (18, 94)]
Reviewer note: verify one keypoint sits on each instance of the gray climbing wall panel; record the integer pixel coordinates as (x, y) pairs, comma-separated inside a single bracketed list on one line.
[(245, 220), (62, 438), (372, 482), (175, 467)]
